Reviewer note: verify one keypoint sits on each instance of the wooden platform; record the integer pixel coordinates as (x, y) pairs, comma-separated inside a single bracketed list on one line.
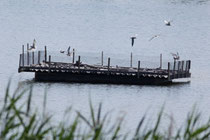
[(46, 70)]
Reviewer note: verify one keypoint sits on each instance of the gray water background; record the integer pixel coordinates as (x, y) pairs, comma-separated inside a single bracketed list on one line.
[(91, 26)]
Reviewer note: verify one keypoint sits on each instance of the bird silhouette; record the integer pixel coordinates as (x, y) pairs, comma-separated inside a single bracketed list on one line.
[(132, 39), (61, 51), (175, 56), (33, 47), (154, 37), (68, 51), (168, 23)]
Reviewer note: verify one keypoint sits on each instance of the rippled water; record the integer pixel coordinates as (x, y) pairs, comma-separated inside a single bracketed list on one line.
[(96, 25)]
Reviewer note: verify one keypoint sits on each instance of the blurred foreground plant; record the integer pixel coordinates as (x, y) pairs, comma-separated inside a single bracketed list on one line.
[(18, 121)]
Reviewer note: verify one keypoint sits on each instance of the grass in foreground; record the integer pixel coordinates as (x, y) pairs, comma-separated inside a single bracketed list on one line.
[(19, 122)]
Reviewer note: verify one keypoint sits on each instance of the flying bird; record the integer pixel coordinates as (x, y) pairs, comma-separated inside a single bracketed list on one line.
[(132, 39), (154, 37), (168, 23)]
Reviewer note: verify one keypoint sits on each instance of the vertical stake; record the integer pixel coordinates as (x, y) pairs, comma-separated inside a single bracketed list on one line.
[(179, 64), (27, 58), (108, 64), (102, 58), (73, 56), (20, 60), (45, 54), (49, 62), (33, 57), (169, 78), (27, 46), (161, 62), (131, 60), (38, 57), (138, 68), (79, 62), (23, 54)]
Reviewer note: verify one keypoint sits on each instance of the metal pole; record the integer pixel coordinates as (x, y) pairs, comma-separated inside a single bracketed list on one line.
[(20, 60), (27, 46)]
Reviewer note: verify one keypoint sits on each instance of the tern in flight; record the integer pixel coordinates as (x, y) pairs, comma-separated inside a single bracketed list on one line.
[(168, 23), (132, 39), (154, 37)]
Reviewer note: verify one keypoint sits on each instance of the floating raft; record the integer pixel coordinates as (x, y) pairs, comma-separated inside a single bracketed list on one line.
[(49, 71)]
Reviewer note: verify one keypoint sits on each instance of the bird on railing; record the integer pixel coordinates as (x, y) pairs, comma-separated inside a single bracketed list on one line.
[(68, 51), (33, 47), (132, 39), (154, 37), (175, 56), (168, 23)]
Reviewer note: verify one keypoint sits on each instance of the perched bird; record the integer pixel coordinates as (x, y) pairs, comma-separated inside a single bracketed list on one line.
[(154, 37), (175, 56), (68, 51), (33, 47), (168, 23), (132, 39)]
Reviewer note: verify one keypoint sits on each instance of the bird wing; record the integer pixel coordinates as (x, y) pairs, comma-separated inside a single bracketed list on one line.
[(69, 49)]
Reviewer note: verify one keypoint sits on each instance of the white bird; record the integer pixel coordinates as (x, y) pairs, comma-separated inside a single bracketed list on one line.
[(168, 23), (154, 37), (61, 51), (132, 39), (175, 56), (68, 51), (33, 47)]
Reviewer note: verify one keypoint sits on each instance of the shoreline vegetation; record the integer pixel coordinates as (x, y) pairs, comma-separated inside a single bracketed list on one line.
[(18, 121)]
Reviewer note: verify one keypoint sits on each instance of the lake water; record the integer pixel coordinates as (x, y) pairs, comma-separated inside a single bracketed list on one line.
[(96, 25)]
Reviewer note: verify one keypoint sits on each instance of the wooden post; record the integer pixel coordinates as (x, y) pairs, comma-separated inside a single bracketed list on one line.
[(161, 61), (182, 68), (23, 55), (33, 57), (169, 78), (131, 60), (73, 56), (27, 58), (45, 53), (78, 62), (108, 64), (174, 68), (179, 64), (186, 67), (49, 62), (189, 66), (20, 60), (138, 68), (102, 58), (27, 46), (38, 57)]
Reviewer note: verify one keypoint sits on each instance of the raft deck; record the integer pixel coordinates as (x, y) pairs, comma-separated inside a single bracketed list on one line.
[(47, 70)]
